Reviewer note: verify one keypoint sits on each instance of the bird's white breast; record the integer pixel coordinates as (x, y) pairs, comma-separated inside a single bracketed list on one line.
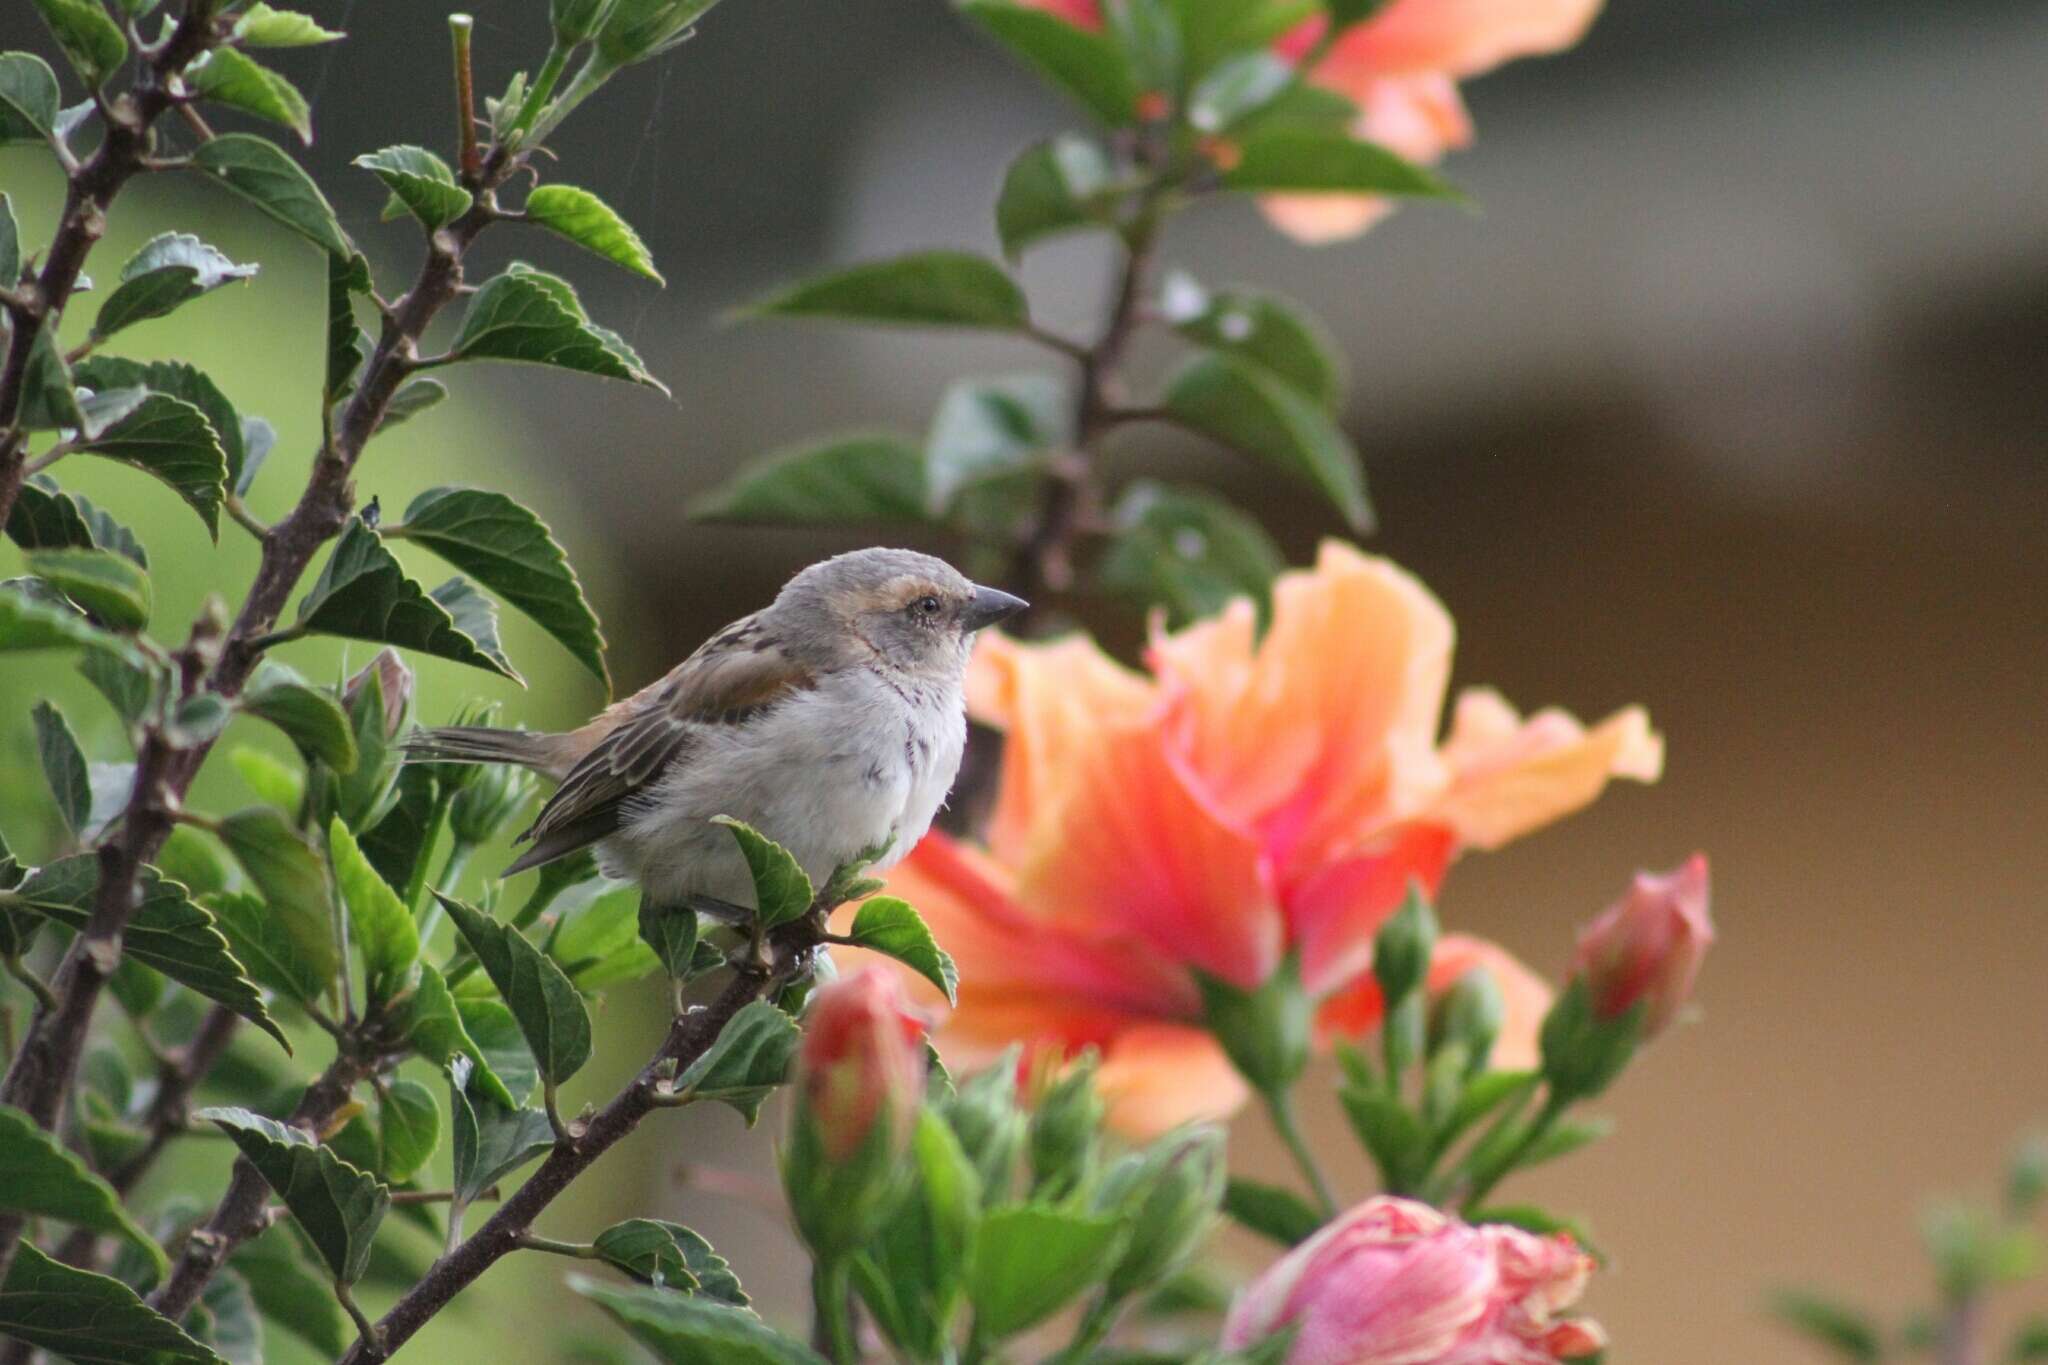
[(864, 759)]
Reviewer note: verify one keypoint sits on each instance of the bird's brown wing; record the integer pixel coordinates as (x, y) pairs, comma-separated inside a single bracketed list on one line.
[(733, 677)]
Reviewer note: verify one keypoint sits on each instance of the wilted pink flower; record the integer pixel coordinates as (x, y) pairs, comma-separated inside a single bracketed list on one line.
[(1394, 1282), (1646, 948), (862, 1061)]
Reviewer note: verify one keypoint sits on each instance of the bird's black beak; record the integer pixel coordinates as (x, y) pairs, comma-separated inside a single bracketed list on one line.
[(989, 606)]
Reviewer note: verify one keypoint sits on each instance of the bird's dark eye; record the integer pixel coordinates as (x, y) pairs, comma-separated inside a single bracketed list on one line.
[(926, 606)]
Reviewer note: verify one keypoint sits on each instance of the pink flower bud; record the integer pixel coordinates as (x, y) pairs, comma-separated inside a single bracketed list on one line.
[(1646, 948), (862, 1061), (1394, 1282)]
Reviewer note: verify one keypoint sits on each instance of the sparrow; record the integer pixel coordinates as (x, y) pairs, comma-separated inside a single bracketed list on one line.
[(832, 721)]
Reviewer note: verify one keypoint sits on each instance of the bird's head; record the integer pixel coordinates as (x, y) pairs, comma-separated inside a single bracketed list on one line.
[(910, 612)]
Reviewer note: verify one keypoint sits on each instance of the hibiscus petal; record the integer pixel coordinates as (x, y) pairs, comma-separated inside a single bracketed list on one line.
[(1463, 37), (1312, 735), (1335, 910), (1050, 700), (1160, 1076), (1510, 775), (1127, 850)]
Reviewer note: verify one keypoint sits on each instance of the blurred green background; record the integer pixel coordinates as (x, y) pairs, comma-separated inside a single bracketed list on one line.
[(1729, 402)]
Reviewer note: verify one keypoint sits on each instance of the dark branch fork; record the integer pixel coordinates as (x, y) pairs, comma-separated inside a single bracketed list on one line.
[(41, 1076)]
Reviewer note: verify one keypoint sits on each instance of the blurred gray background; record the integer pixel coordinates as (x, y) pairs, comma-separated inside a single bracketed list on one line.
[(1732, 399)]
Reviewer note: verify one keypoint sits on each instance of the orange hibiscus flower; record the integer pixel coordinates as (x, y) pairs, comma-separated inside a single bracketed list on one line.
[(1248, 800)]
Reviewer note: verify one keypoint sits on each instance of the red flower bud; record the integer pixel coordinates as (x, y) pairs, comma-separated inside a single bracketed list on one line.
[(862, 1062), (1646, 948), (394, 687)]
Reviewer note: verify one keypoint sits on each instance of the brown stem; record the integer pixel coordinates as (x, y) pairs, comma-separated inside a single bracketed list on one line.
[(507, 1229), (241, 1213), (88, 194), (1960, 1330), (1044, 562)]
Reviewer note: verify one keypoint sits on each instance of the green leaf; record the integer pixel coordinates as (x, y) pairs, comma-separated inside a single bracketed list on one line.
[(29, 99), (396, 843), (107, 374), (364, 594), (924, 288), (421, 181), (347, 344), (530, 316), (110, 587), (1032, 1260), (39, 1178), (669, 1256), (415, 398), (409, 1122), (1245, 407), (171, 439), (545, 1004), (1563, 1139), (168, 272), (837, 481), (1848, 1331), (1264, 329), (289, 1294), (781, 890), (311, 716), (433, 1026), (672, 933), (1085, 65), (88, 1318), (229, 1314), (63, 767), (48, 400), (1238, 88), (986, 429), (292, 876), (1056, 186), (595, 929), (169, 932), (491, 1141), (510, 551), (913, 1272), (10, 231), (262, 26), (689, 1329), (271, 779), (1298, 160), (190, 857), (1391, 1133), (228, 77), (337, 1205), (476, 618), (1188, 550), (379, 923), (263, 942), (503, 1046), (890, 926), (27, 623), (1271, 1211), (260, 172), (47, 517), (589, 222), (751, 1057), (89, 39)]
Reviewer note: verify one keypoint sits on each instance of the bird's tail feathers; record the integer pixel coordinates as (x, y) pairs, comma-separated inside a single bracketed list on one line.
[(482, 744)]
